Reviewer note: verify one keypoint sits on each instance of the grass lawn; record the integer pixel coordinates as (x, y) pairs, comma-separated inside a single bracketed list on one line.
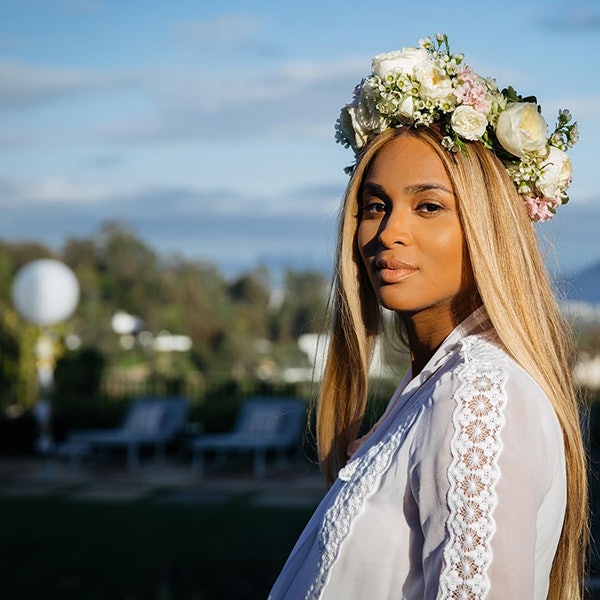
[(54, 548)]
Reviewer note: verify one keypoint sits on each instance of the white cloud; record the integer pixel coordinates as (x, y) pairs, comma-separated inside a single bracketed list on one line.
[(292, 81), (228, 35), (53, 191), (23, 84), (231, 30), (574, 16), (580, 106), (232, 230), (294, 100), (129, 200)]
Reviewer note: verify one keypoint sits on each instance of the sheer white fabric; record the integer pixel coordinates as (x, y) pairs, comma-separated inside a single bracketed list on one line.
[(458, 494)]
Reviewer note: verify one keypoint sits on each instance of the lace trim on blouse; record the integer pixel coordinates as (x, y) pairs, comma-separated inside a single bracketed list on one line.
[(473, 473), (360, 477)]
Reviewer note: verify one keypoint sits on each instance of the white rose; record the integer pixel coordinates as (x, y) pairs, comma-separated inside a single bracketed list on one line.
[(434, 81), (468, 123), (367, 112), (400, 61), (556, 174), (351, 127), (521, 129)]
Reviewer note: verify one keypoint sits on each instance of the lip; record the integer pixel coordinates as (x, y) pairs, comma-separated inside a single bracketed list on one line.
[(389, 270)]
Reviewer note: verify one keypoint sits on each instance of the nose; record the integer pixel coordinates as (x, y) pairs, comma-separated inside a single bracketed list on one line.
[(394, 229)]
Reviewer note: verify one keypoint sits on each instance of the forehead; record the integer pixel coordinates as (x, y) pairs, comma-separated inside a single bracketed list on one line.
[(405, 161)]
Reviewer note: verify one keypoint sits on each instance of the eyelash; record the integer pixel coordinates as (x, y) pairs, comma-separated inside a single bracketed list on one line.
[(429, 205), (375, 207)]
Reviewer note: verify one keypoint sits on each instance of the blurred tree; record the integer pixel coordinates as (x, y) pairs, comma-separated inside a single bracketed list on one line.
[(129, 270), (23, 252), (9, 343), (251, 294), (236, 329), (7, 272), (116, 271), (199, 293), (304, 305), (18, 377), (10, 355), (92, 318)]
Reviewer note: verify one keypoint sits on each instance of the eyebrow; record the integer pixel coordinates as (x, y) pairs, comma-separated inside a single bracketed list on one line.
[(417, 188)]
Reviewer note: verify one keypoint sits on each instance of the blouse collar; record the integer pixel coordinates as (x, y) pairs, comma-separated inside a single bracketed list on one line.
[(477, 322)]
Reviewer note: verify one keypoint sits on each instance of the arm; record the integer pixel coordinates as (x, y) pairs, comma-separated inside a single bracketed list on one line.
[(492, 509)]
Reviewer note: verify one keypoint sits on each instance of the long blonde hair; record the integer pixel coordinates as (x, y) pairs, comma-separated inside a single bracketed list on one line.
[(513, 285)]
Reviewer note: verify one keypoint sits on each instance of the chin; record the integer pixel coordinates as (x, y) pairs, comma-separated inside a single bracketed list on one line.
[(394, 304)]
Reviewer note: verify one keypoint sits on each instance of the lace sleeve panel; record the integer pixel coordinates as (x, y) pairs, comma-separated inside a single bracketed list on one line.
[(473, 473), (505, 478)]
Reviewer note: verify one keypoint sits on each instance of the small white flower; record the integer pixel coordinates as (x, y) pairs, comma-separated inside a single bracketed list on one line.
[(565, 113), (447, 104), (425, 42), (448, 142), (406, 109), (556, 140), (521, 129), (573, 135), (468, 123), (386, 106)]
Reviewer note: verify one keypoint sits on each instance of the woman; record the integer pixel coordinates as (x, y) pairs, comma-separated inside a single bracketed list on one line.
[(472, 484)]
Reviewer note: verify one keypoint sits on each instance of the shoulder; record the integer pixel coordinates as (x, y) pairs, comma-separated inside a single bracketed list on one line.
[(477, 368), (484, 362), (482, 382)]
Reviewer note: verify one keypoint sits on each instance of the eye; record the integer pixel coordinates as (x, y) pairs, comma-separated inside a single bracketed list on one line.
[(429, 207), (373, 208)]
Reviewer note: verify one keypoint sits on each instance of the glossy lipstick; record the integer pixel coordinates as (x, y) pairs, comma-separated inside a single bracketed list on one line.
[(393, 271)]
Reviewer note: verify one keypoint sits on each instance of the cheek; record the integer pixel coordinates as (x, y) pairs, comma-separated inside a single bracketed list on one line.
[(449, 241), (458, 267), (447, 249), (364, 235)]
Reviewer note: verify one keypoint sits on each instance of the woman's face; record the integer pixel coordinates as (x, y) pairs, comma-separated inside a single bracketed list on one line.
[(409, 236)]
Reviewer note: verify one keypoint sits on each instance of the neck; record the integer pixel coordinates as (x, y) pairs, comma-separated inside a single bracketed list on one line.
[(424, 338), (427, 329)]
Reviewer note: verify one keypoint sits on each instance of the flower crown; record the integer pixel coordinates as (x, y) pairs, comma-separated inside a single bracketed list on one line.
[(421, 86)]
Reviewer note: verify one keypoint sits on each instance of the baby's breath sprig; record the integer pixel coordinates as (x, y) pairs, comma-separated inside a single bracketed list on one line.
[(566, 134), (440, 49)]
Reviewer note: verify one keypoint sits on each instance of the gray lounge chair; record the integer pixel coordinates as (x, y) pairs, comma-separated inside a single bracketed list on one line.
[(150, 421), (263, 425)]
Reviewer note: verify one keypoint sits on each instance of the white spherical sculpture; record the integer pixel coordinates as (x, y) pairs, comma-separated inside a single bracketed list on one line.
[(45, 291)]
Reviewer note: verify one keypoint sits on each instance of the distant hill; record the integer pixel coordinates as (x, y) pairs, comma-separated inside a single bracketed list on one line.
[(583, 286)]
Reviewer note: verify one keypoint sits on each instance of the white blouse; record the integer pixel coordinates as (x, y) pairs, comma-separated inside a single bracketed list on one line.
[(459, 492)]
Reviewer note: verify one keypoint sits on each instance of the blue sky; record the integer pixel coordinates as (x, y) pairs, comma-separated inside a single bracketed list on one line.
[(207, 127)]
